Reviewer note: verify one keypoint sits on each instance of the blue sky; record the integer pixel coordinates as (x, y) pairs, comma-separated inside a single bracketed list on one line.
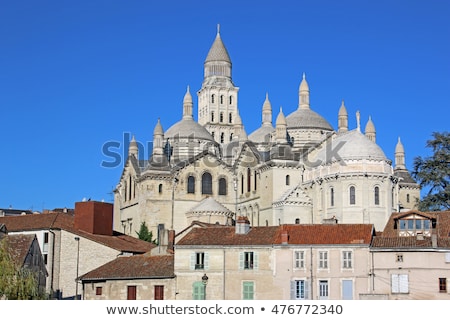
[(75, 75)]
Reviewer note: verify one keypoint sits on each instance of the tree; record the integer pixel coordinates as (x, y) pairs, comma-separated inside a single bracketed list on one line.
[(433, 172), (16, 282), (145, 234)]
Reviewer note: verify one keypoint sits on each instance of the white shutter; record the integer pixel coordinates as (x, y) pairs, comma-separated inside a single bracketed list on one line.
[(255, 260), (241, 260), (193, 258), (293, 289), (307, 289), (206, 260), (403, 283), (399, 283), (395, 288), (447, 257)]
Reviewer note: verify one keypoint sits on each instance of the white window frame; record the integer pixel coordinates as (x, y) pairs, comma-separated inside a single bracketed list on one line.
[(323, 260), (299, 289), (347, 262), (319, 287), (299, 259)]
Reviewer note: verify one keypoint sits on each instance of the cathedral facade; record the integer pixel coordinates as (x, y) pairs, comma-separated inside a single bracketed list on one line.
[(298, 170)]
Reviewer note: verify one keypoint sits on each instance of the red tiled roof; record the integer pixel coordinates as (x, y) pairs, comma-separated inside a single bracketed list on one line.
[(227, 236), (401, 242), (134, 267), (317, 234), (298, 234), (65, 221)]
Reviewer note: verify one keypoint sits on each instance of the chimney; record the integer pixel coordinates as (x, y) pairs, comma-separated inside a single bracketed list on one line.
[(94, 217), (171, 241), (284, 237), (242, 225), (434, 240)]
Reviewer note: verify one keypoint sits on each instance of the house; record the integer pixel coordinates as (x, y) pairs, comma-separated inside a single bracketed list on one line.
[(72, 245), (327, 261), (6, 212), (25, 252), (226, 263), (142, 277), (411, 257)]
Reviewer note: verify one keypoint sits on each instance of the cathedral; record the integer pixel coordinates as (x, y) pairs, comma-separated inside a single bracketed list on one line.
[(298, 170)]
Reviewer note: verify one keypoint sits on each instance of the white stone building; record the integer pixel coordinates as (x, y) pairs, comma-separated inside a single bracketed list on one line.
[(296, 170)]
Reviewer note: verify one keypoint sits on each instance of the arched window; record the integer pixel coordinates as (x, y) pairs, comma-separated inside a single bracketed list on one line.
[(231, 136), (206, 183), (222, 137), (231, 99), (221, 117), (297, 221), (352, 195), (376, 192), (222, 186), (212, 116), (288, 180), (212, 98), (242, 183), (221, 99), (332, 197), (160, 188), (249, 182), (191, 184), (256, 180), (230, 118), (407, 198)]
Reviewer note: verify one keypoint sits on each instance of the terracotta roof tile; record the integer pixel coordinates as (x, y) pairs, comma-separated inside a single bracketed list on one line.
[(65, 221), (134, 267), (298, 234), (317, 234), (227, 236)]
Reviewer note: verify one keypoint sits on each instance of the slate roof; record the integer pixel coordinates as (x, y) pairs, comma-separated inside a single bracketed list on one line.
[(134, 267), (14, 212), (64, 221)]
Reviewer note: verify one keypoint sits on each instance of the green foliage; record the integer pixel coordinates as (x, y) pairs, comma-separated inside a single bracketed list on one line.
[(433, 173), (16, 283), (145, 234)]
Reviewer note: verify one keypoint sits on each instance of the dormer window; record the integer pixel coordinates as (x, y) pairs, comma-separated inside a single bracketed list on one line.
[(414, 225)]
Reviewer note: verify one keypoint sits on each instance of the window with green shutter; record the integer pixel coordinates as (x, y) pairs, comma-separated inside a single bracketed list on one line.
[(198, 291), (248, 290)]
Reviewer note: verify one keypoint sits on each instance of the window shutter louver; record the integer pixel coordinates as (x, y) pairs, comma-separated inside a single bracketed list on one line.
[(293, 287), (206, 261), (241, 260)]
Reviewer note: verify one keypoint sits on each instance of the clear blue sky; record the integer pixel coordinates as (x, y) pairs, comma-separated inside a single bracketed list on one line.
[(77, 74)]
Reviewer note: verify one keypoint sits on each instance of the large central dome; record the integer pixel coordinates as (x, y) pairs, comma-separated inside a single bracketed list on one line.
[(307, 119)]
